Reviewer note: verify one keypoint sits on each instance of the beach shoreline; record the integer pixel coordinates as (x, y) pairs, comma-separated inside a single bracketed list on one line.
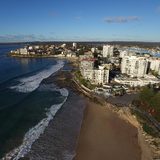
[(124, 116), (142, 150), (113, 128), (107, 135), (131, 125)]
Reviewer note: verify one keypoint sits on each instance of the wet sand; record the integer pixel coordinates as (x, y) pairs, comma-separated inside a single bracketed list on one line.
[(59, 139), (105, 136)]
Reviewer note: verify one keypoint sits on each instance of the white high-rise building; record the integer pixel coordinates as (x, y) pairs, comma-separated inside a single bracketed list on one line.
[(126, 53), (95, 76), (101, 75), (87, 65), (123, 53), (74, 45), (134, 66), (108, 51), (155, 64)]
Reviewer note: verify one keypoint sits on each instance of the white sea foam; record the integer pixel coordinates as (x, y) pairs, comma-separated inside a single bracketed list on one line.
[(53, 87), (29, 84), (34, 133)]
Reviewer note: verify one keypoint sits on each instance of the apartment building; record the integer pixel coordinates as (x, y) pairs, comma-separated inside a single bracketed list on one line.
[(134, 66), (107, 51)]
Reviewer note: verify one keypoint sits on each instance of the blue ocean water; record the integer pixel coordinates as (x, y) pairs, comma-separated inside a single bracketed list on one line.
[(24, 99)]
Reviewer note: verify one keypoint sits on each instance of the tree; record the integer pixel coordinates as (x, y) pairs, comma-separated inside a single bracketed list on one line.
[(146, 95), (155, 105), (100, 48), (150, 101)]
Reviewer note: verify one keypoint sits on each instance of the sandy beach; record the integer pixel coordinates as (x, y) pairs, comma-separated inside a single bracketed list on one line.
[(105, 136), (97, 133)]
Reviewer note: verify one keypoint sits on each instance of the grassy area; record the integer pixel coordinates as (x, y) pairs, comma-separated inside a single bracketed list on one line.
[(149, 101), (147, 127)]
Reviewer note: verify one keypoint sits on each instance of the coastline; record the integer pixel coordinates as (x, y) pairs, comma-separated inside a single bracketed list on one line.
[(59, 139), (96, 111), (104, 135), (31, 56), (123, 117), (116, 130), (34, 129), (42, 56), (111, 128), (120, 129)]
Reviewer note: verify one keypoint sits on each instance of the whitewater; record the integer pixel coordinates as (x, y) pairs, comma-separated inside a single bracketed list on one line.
[(34, 133), (29, 84)]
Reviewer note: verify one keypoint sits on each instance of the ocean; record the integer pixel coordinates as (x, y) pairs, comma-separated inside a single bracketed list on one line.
[(27, 105)]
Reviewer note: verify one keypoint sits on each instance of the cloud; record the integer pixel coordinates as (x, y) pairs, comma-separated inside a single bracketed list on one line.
[(121, 19), (23, 38)]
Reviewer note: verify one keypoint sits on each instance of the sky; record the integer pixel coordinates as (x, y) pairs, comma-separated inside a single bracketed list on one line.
[(79, 20)]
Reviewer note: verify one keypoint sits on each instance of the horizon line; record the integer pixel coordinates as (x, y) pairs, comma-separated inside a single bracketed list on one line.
[(99, 41)]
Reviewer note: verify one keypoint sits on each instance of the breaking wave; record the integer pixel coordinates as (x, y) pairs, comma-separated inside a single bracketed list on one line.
[(34, 133), (52, 87), (29, 84)]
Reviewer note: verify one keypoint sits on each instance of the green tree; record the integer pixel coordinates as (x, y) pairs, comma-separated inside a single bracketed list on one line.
[(155, 104), (100, 48), (146, 95)]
